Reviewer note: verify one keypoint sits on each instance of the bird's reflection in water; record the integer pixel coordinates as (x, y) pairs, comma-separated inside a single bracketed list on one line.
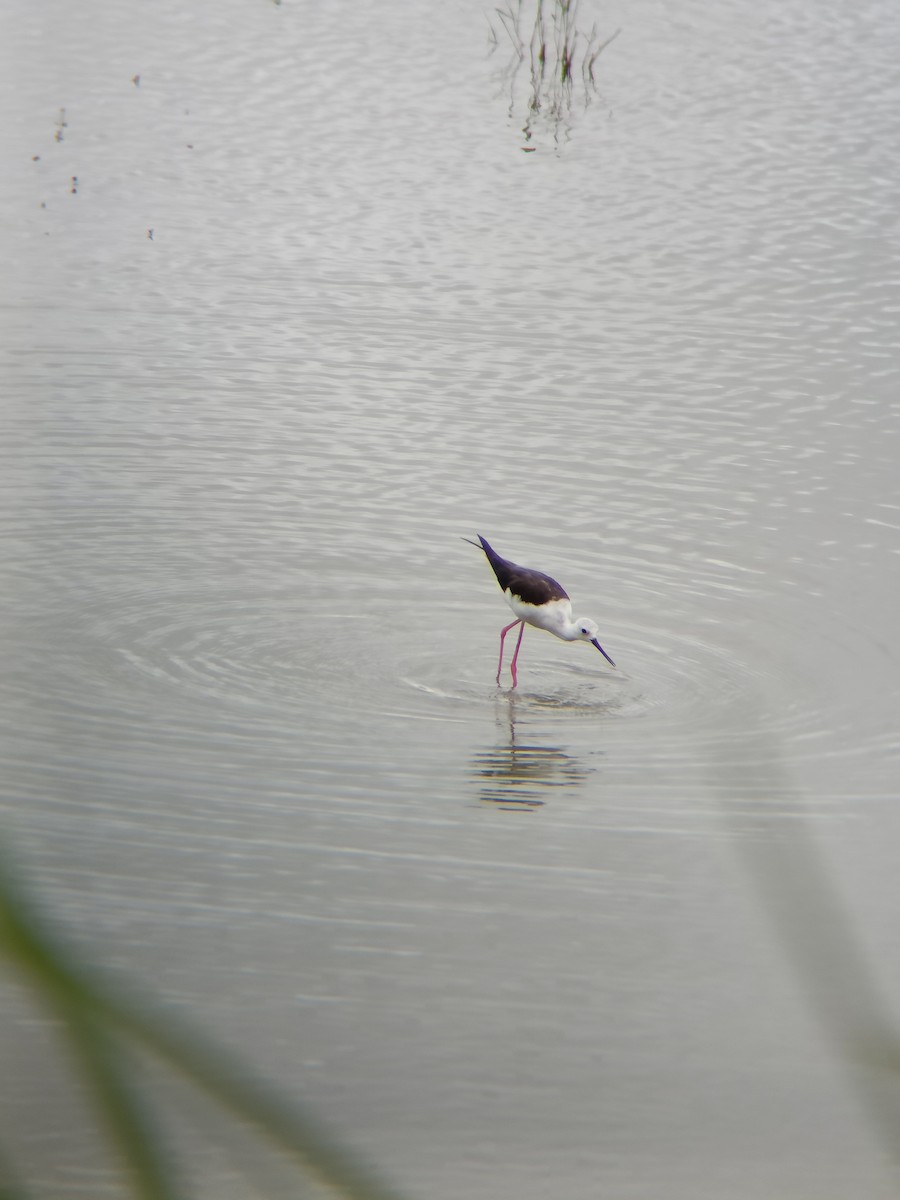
[(517, 777)]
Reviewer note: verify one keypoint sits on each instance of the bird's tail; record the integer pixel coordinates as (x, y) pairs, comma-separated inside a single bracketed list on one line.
[(499, 566)]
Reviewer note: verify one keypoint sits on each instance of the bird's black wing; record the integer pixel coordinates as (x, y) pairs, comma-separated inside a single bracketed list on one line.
[(532, 587)]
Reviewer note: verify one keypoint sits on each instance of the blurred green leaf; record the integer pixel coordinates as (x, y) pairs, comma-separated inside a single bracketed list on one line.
[(98, 1013)]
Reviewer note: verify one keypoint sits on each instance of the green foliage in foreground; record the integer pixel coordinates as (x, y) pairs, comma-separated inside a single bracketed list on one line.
[(104, 1020)]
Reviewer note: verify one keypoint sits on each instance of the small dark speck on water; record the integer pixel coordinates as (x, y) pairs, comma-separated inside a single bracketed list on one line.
[(136, 80), (149, 235)]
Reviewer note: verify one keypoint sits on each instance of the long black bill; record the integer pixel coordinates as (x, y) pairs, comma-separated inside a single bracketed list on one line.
[(594, 642)]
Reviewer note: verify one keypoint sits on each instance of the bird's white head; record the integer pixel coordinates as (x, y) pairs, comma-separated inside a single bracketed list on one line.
[(586, 630)]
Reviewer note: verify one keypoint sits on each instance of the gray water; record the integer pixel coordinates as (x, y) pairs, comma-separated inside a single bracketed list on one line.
[(295, 297)]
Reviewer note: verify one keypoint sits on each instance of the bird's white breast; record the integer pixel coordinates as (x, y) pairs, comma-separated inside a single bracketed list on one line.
[(553, 616)]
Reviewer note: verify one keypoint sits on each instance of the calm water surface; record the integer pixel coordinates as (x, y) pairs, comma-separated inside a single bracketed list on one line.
[(296, 297)]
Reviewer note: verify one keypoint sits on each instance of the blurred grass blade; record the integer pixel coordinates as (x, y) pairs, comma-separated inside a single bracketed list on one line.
[(11, 1187), (92, 1007), (106, 1068)]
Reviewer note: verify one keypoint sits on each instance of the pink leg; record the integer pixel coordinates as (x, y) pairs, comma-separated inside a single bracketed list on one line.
[(512, 665), (503, 633)]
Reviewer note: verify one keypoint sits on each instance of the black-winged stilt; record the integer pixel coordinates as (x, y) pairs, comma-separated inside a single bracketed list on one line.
[(537, 600)]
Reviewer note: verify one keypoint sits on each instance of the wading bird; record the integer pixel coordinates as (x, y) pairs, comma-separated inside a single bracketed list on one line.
[(537, 600)]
